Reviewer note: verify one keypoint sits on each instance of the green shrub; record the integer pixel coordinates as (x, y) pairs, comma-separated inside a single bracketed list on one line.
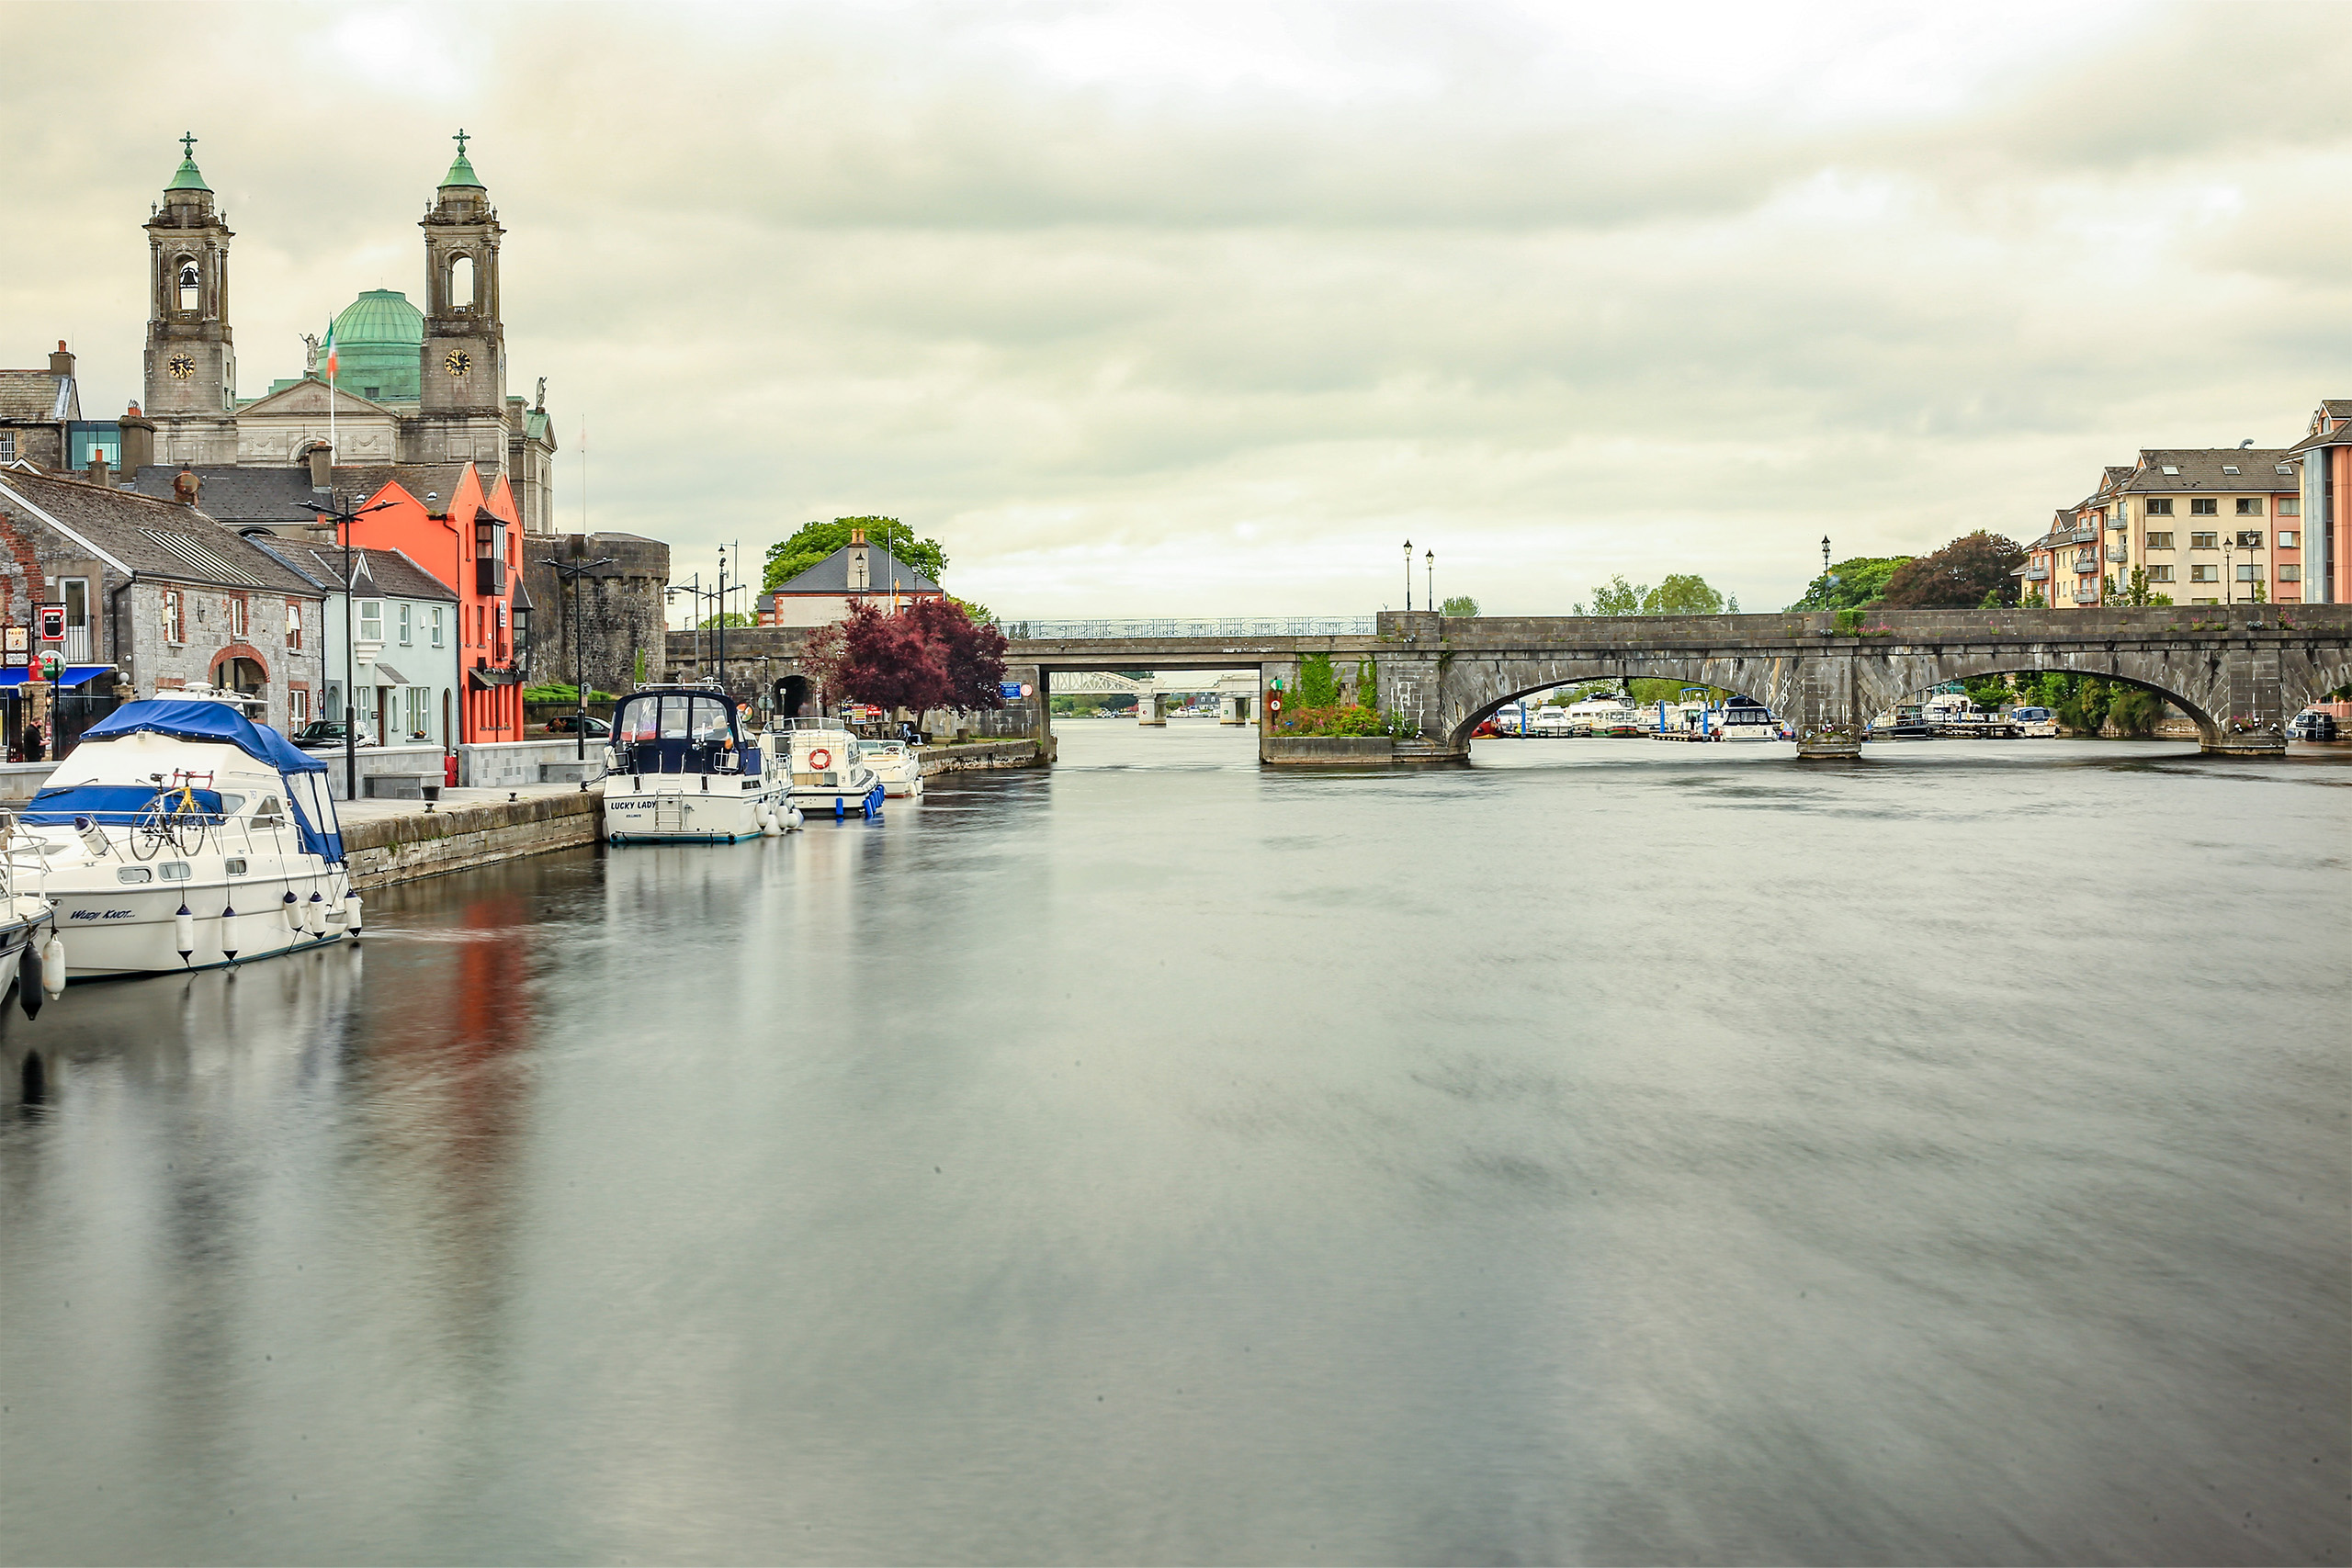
[(1319, 684)]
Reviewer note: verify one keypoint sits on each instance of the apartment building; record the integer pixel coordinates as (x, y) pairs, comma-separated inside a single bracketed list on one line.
[(2324, 459), (2209, 525)]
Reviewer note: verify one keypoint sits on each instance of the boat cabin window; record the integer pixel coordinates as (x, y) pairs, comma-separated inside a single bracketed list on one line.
[(175, 871), (134, 873), (269, 814), (236, 868), (673, 732), (232, 804)]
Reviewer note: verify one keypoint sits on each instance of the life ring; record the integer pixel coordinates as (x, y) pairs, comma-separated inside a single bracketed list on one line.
[(821, 759)]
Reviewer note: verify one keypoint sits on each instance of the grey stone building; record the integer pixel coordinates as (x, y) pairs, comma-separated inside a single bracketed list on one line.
[(158, 590), (413, 386), (37, 410)]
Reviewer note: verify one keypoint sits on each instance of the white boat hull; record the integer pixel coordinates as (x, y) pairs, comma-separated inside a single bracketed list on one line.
[(676, 808), (818, 800), (110, 932)]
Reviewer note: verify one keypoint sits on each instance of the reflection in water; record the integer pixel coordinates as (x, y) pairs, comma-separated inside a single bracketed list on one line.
[(1611, 1152)]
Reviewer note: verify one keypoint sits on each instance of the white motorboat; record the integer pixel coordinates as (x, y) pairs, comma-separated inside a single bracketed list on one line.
[(31, 956), (680, 767), (181, 835), (896, 764), (1744, 718), (830, 775)]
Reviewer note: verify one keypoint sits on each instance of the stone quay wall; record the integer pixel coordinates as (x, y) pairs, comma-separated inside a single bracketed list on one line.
[(417, 844)]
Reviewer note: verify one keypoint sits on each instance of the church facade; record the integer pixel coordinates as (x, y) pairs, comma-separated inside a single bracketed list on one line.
[(401, 384)]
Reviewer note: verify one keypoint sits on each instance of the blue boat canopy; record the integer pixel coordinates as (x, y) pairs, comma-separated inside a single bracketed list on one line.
[(185, 718)]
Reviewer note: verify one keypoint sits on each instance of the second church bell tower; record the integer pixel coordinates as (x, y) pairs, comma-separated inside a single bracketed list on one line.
[(462, 365)]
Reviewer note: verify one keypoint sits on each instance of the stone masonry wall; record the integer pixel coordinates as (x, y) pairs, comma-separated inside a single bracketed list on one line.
[(620, 616)]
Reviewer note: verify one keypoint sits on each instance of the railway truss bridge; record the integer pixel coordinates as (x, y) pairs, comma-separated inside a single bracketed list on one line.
[(2239, 671)]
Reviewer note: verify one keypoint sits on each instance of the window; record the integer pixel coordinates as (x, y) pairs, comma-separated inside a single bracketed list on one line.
[(269, 814), (2162, 507), (134, 873), (294, 625), (2208, 572), (174, 619), (2203, 506), (177, 870), (298, 706), (2160, 541), (236, 867), (8, 446), (416, 696), (408, 612), (371, 620), (2229, 467), (2290, 572), (2204, 541), (432, 619), (2249, 538), (2248, 573), (2291, 507), (237, 619), (2287, 538), (2249, 506), (2160, 574)]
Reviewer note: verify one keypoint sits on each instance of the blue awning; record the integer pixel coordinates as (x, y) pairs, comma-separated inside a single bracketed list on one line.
[(75, 674)]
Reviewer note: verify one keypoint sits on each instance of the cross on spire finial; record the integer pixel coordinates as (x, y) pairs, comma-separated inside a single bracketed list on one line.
[(188, 145), (461, 139)]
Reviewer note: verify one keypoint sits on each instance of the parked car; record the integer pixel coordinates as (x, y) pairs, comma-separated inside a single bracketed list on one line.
[(326, 735), (2312, 727), (571, 723)]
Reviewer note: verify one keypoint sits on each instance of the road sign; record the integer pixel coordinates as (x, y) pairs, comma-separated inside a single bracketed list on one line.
[(1276, 704), (1010, 690), (1026, 689)]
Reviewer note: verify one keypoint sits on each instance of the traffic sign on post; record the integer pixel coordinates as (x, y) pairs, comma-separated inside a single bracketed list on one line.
[(1011, 691)]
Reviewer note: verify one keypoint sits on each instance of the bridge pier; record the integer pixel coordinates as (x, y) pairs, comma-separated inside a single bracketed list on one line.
[(1151, 709)]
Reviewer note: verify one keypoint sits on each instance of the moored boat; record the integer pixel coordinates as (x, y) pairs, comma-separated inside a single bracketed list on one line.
[(681, 768), (181, 835), (897, 764), (32, 956), (830, 775)]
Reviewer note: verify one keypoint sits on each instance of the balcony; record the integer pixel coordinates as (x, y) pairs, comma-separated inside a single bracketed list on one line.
[(2085, 594), (2086, 561), (2116, 553), (2080, 536), (2037, 574)]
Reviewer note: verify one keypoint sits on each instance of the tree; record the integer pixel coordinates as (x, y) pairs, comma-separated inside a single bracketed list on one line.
[(1973, 569), (979, 615), (929, 655), (1988, 692), (1617, 597), (2134, 592), (731, 618), (1459, 605), (1851, 583), (1319, 684), (815, 541), (1683, 594), (2136, 711)]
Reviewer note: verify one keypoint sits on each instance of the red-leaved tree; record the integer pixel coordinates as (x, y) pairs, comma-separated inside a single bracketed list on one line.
[(929, 655), (1971, 571)]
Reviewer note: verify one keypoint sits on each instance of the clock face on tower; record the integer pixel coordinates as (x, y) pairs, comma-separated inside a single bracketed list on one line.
[(458, 362), (181, 366)]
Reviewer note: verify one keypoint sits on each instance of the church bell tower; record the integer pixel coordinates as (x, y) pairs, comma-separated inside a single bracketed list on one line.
[(191, 365), (462, 365)]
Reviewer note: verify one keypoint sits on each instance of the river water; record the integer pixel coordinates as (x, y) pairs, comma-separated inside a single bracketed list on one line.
[(1610, 1152)]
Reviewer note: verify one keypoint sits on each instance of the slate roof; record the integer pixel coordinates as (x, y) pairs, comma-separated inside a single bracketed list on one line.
[(2200, 468), (239, 496), (831, 575), (152, 538), (36, 394), (388, 573)]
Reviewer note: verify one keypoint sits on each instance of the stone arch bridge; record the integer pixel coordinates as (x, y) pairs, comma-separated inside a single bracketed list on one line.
[(2239, 671)]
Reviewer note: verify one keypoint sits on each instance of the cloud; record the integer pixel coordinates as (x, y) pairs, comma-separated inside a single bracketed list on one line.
[(1204, 310)]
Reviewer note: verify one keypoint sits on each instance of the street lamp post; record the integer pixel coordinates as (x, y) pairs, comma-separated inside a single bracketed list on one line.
[(343, 518), (572, 574), (1429, 566), (1409, 577), (2229, 571)]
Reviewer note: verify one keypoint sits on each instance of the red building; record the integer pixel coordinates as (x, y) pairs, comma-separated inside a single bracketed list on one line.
[(473, 541)]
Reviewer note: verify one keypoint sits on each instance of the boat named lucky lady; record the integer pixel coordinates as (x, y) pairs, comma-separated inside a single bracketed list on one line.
[(181, 835), (680, 767)]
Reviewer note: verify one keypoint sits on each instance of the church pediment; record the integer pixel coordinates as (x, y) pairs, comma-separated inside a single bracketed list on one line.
[(310, 398)]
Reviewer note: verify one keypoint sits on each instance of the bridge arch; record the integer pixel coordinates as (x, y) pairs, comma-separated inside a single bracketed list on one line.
[(1883, 685), (1478, 688)]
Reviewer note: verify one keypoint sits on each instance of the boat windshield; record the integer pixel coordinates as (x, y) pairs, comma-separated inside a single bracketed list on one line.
[(673, 732)]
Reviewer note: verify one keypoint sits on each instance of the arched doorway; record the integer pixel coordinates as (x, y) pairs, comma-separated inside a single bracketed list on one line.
[(791, 696), (244, 676)]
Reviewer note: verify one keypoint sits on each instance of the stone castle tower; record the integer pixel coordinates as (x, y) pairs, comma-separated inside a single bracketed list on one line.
[(191, 363)]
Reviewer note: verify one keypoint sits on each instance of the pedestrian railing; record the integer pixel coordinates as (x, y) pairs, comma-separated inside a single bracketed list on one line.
[(1117, 631)]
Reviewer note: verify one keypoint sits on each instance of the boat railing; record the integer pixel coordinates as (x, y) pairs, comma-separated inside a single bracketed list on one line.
[(147, 833)]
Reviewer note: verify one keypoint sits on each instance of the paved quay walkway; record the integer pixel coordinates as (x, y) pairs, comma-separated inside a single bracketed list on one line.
[(370, 809)]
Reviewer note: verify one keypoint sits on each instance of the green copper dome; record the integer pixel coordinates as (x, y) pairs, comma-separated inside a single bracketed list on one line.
[(188, 178), (377, 339), (461, 172)]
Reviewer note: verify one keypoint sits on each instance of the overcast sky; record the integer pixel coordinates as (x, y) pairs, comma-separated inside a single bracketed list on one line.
[(1175, 310)]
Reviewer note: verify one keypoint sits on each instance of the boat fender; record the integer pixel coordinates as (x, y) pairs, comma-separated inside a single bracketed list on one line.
[(351, 913), (794, 818), (228, 913), (94, 837), (293, 908), (29, 990), (314, 916), (184, 933), (52, 965)]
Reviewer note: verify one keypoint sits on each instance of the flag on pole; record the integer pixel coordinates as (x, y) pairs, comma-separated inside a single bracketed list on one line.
[(331, 352), (333, 450)]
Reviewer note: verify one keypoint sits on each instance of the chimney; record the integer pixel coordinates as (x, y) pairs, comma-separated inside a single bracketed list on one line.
[(62, 362), (137, 441), (185, 484), (98, 472), (322, 468)]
